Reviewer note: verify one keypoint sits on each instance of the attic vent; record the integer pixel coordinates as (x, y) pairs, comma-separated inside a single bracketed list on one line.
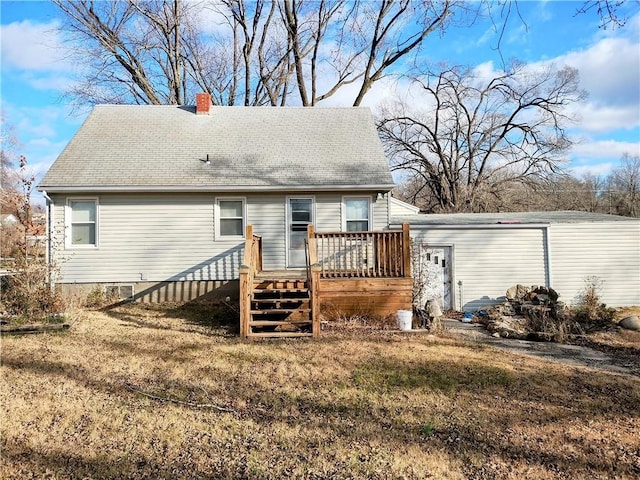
[(203, 103), (119, 292)]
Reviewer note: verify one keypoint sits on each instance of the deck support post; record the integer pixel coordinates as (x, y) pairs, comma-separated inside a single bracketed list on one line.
[(406, 250), (314, 290), (245, 300)]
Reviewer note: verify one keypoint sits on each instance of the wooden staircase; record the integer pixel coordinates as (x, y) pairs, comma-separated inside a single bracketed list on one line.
[(280, 306), (355, 268)]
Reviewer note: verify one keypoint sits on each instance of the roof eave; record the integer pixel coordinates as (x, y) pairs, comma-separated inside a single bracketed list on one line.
[(394, 223), (384, 187)]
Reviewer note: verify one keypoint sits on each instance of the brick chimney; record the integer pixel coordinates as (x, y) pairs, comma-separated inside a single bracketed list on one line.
[(203, 103)]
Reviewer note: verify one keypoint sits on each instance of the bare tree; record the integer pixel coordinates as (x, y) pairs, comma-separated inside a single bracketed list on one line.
[(255, 53), (607, 10), (9, 186), (366, 40), (131, 51), (625, 187), (475, 136)]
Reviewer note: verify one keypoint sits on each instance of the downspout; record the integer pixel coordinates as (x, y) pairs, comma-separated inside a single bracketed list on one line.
[(49, 227), (547, 247)]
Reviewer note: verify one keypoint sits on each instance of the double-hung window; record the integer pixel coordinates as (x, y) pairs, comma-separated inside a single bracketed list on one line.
[(82, 222), (231, 217), (357, 214)]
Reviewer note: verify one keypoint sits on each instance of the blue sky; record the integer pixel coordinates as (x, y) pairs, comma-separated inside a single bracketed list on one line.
[(35, 73)]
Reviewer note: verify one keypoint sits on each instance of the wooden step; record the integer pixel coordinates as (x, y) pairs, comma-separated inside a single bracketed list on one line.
[(280, 300), (280, 334), (280, 286), (298, 306), (280, 310), (275, 323), (278, 280), (278, 292)]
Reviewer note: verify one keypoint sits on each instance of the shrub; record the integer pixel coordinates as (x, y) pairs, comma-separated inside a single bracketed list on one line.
[(28, 293), (589, 310), (96, 297)]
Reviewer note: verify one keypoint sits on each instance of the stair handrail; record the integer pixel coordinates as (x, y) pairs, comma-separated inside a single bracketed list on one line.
[(252, 264), (313, 279)]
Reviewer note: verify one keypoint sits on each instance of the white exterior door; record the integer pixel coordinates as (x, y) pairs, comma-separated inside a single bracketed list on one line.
[(299, 216), (433, 272)]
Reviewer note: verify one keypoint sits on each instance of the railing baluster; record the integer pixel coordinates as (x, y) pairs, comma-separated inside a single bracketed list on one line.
[(371, 265), (362, 254)]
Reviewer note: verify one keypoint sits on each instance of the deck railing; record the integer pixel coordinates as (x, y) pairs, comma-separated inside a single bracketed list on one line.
[(251, 265), (361, 254)]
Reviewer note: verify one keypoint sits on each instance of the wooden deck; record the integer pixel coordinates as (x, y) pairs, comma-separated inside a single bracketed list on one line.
[(349, 272), (376, 296)]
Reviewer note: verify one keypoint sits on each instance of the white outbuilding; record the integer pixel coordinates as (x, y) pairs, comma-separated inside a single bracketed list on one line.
[(470, 260)]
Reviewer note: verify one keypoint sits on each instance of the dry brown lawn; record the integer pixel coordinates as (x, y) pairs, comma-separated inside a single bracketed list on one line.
[(149, 392)]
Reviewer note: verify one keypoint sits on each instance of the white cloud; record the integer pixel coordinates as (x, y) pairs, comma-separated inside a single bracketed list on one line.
[(34, 46), (609, 70), (606, 118), (610, 73), (210, 18), (42, 132), (598, 170), (57, 82), (604, 149)]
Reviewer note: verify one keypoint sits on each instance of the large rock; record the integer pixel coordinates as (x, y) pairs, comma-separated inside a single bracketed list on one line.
[(521, 292), (550, 293), (632, 322), (508, 327)]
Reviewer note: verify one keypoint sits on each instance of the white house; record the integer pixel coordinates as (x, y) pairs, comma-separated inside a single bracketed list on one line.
[(156, 198)]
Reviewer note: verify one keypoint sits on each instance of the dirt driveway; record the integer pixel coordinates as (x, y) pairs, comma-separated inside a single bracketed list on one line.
[(623, 362)]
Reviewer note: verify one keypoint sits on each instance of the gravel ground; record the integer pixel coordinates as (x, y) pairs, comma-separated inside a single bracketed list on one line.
[(577, 355)]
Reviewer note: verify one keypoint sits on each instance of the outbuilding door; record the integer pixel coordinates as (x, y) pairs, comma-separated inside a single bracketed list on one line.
[(433, 272), (299, 216)]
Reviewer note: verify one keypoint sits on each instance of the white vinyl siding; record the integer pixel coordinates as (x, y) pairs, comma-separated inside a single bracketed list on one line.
[(153, 238), (398, 208), (172, 237), (488, 261), (608, 251), (266, 213), (380, 212)]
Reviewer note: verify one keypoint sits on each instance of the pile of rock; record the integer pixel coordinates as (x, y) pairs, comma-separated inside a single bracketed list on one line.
[(522, 307), (534, 313)]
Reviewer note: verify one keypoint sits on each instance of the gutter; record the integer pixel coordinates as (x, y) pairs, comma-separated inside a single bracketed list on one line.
[(213, 188), (474, 226)]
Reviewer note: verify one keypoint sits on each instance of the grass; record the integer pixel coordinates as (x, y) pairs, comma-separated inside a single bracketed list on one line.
[(149, 392)]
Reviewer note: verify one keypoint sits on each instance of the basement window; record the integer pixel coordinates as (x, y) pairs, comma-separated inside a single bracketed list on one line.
[(82, 222)]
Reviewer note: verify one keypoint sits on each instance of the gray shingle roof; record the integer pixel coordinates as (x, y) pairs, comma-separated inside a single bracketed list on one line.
[(507, 218), (133, 147)]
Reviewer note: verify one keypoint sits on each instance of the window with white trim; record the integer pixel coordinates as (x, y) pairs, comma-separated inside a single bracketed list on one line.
[(231, 217), (357, 214), (82, 222)]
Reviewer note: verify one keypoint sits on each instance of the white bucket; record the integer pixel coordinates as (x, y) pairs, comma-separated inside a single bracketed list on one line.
[(405, 317)]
